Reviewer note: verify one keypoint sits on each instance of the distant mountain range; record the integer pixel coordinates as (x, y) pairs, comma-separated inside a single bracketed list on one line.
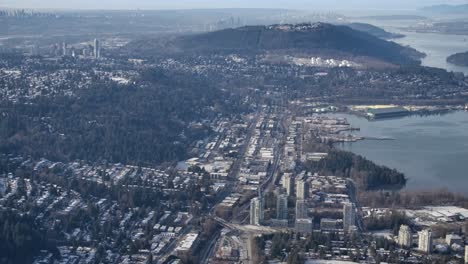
[(460, 59), (393, 17), (455, 9), (375, 31), (312, 38)]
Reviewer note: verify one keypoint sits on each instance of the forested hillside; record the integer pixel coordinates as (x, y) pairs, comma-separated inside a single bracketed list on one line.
[(460, 59), (148, 122), (317, 37)]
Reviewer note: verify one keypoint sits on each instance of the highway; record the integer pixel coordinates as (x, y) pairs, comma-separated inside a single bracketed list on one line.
[(253, 229), (233, 175), (234, 172), (268, 183)]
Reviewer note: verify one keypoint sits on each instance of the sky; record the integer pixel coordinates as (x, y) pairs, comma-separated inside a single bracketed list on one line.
[(192, 4)]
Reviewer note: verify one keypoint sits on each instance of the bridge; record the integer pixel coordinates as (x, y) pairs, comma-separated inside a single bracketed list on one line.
[(251, 229)]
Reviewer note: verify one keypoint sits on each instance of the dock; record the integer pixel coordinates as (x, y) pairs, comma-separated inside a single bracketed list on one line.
[(378, 138)]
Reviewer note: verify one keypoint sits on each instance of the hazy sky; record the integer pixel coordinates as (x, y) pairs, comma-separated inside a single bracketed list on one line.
[(188, 4)]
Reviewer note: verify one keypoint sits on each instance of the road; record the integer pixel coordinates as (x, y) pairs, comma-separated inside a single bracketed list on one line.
[(249, 240), (353, 197), (233, 175), (269, 183), (234, 172), (251, 229), (210, 249), (170, 247)]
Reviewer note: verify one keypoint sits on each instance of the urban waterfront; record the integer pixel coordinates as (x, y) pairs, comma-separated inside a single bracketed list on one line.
[(432, 151)]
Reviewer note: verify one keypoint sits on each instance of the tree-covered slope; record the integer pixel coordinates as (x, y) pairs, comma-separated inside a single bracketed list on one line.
[(460, 59), (301, 37)]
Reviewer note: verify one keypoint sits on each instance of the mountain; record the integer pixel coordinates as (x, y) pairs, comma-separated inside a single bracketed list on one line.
[(454, 9), (303, 38), (375, 31), (393, 17), (460, 59)]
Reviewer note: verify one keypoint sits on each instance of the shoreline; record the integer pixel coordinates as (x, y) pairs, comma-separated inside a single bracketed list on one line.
[(351, 138), (415, 170)]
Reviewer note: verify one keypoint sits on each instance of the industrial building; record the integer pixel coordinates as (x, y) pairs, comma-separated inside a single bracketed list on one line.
[(376, 113)]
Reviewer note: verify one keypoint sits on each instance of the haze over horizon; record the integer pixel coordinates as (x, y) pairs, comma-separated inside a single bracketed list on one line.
[(233, 131), (207, 4)]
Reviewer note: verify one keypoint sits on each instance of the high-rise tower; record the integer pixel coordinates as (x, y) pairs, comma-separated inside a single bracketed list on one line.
[(282, 207), (97, 49), (256, 211), (301, 189), (287, 183), (425, 241), (349, 216), (404, 236)]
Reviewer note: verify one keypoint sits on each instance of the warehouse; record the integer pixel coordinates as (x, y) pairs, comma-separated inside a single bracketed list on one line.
[(387, 112)]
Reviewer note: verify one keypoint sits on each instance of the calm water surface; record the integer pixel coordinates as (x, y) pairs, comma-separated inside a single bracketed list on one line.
[(436, 46), (432, 151)]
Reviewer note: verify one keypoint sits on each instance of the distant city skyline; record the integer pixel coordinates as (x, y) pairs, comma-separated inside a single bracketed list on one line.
[(206, 4)]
